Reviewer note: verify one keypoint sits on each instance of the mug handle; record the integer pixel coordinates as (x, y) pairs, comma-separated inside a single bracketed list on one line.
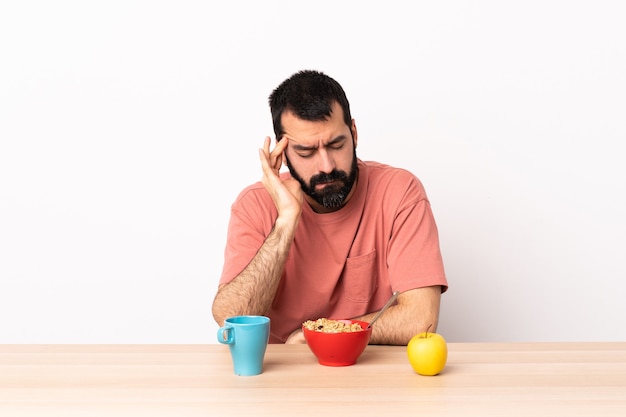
[(226, 335)]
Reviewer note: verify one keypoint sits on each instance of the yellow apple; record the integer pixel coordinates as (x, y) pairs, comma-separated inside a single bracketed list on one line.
[(427, 353)]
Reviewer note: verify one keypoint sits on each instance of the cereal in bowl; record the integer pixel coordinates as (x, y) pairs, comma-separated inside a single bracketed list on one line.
[(332, 326)]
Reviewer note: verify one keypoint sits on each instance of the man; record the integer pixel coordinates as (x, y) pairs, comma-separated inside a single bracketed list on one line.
[(335, 236)]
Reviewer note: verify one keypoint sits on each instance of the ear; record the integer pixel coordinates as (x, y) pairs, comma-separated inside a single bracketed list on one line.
[(355, 136)]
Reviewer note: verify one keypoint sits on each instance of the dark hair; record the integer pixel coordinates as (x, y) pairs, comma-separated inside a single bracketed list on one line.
[(309, 95)]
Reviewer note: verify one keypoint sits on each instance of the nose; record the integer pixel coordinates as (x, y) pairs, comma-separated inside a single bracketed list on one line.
[(325, 162)]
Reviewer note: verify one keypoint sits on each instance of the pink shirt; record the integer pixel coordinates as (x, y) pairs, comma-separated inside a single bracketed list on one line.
[(347, 263)]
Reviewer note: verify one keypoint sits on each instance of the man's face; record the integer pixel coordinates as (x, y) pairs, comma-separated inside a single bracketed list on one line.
[(321, 155)]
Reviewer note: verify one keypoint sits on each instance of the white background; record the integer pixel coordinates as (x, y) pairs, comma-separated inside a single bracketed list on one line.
[(127, 129)]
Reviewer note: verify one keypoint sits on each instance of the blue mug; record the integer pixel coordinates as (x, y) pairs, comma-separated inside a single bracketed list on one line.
[(247, 338)]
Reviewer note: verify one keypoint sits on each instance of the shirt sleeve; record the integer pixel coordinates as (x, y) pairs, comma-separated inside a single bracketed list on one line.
[(414, 255)]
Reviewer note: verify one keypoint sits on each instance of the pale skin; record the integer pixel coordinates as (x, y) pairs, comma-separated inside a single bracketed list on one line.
[(313, 147)]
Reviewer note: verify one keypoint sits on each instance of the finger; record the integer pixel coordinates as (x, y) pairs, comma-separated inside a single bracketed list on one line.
[(281, 145), (272, 160), (278, 152), (266, 145), (264, 158)]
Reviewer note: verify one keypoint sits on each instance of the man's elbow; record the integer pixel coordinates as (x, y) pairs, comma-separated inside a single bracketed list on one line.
[(218, 309)]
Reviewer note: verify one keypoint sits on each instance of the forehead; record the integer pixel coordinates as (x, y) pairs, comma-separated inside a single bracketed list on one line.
[(307, 132)]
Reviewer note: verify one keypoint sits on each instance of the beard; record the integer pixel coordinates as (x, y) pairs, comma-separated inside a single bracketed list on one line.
[(334, 195)]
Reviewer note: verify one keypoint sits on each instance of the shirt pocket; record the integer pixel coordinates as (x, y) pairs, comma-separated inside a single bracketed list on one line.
[(360, 277)]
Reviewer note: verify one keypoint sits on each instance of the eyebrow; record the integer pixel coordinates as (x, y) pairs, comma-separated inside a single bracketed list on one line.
[(300, 147)]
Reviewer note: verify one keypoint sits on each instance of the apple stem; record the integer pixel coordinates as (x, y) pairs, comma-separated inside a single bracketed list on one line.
[(429, 326)]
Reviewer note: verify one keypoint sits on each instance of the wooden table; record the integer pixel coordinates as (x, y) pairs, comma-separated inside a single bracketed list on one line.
[(545, 379)]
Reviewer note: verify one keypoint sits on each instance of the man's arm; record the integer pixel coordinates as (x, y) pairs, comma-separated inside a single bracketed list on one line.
[(253, 290), (416, 310), (414, 261)]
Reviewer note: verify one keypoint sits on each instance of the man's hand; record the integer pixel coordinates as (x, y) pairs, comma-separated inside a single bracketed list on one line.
[(287, 195)]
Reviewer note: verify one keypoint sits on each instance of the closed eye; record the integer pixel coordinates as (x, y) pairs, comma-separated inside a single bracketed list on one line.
[(306, 152), (337, 143)]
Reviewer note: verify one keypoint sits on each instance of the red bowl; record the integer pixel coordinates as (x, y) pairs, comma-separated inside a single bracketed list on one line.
[(338, 349)]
